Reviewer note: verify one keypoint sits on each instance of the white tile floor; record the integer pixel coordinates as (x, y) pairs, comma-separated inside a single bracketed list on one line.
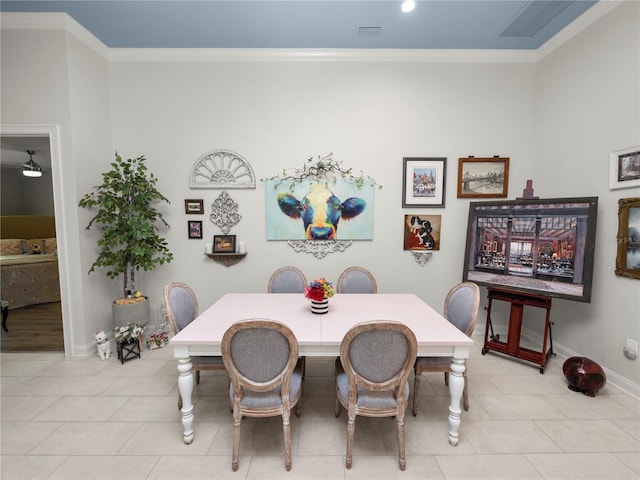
[(90, 419)]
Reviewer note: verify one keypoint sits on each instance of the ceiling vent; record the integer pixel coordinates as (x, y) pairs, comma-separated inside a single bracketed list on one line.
[(534, 17), (369, 31)]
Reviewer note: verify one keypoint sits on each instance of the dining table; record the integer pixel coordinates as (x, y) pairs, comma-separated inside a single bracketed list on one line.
[(321, 335)]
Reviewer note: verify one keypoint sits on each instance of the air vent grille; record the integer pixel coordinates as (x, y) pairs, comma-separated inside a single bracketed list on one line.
[(369, 31), (534, 17)]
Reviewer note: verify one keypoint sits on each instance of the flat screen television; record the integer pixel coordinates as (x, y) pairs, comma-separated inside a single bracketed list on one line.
[(544, 247)]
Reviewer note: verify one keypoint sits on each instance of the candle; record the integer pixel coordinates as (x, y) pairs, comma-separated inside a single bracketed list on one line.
[(208, 247), (242, 247)]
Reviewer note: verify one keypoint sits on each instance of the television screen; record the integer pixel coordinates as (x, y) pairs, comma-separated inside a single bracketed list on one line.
[(543, 247)]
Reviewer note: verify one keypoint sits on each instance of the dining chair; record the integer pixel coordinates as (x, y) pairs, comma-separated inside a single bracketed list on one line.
[(181, 306), (287, 280), (261, 357), (461, 309), (356, 280), (372, 374)]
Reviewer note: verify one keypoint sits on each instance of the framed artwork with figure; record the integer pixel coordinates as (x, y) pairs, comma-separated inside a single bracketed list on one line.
[(423, 182)]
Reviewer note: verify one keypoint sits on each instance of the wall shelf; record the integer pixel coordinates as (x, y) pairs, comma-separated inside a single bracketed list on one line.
[(226, 259)]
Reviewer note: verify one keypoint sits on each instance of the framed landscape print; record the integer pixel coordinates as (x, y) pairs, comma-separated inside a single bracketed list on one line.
[(628, 257), (483, 177), (423, 182), (624, 168), (193, 206)]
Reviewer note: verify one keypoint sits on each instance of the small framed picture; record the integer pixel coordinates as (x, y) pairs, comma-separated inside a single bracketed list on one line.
[(422, 232), (624, 168), (193, 206), (195, 228), (224, 244), (423, 181), (483, 177)]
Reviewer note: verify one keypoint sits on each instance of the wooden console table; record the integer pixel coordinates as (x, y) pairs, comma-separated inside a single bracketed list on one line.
[(512, 346)]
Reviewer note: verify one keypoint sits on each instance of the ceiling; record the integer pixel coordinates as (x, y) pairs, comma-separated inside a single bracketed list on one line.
[(13, 151), (316, 24)]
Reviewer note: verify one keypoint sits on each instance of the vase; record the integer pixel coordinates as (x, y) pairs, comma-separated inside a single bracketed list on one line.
[(320, 307)]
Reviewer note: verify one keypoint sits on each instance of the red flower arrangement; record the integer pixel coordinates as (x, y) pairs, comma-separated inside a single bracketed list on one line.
[(319, 289)]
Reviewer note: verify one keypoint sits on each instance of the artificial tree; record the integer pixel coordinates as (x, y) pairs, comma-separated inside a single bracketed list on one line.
[(128, 220)]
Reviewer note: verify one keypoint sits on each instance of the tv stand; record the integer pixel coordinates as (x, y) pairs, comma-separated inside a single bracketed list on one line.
[(512, 346)]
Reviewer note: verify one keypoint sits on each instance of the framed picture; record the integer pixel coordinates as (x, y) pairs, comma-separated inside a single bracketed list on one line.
[(628, 258), (624, 168), (193, 206), (423, 181), (422, 232), (544, 247), (224, 244), (483, 177), (195, 228)]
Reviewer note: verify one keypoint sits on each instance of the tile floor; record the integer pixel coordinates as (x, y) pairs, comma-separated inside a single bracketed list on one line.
[(89, 419)]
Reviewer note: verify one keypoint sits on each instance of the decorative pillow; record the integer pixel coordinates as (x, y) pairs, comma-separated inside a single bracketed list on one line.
[(50, 245), (25, 247), (11, 246)]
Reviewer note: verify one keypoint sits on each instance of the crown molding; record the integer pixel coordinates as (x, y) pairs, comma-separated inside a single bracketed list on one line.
[(52, 21), (319, 55)]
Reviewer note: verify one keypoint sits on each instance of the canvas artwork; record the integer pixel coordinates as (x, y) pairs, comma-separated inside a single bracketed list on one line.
[(319, 211), (422, 232)]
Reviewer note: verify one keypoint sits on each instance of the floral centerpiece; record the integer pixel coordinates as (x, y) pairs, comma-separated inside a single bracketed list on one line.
[(319, 289), (157, 340), (127, 333), (319, 292)]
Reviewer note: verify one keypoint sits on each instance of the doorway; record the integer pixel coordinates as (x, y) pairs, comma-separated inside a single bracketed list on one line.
[(47, 139)]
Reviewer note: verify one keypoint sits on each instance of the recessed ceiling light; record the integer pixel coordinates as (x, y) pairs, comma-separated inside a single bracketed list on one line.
[(408, 5)]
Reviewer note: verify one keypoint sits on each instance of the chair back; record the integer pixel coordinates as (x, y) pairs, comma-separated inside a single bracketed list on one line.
[(461, 306), (181, 305), (356, 280), (378, 355), (260, 355), (287, 280)]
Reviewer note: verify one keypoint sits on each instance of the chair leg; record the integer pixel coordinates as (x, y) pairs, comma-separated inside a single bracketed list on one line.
[(351, 428), (416, 390), (446, 378), (179, 401), (337, 408), (286, 427), (401, 454), (237, 418), (197, 376)]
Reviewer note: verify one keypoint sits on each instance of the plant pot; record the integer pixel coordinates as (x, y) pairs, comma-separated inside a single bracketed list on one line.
[(320, 307), (137, 313)]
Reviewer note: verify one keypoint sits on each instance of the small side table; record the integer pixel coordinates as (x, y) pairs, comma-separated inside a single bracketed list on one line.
[(5, 314)]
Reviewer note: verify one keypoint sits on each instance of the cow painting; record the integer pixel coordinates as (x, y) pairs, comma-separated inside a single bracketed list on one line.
[(314, 211), (320, 211)]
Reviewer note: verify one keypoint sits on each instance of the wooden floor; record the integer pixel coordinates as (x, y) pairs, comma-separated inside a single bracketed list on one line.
[(36, 328)]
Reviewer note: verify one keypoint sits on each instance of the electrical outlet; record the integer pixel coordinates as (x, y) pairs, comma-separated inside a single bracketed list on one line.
[(631, 349)]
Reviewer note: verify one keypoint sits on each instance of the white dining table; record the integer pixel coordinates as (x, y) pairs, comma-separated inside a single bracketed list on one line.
[(320, 335)]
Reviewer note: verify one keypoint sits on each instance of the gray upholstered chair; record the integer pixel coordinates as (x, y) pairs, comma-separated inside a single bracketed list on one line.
[(181, 305), (356, 280), (461, 309), (261, 357), (372, 376), (287, 280)]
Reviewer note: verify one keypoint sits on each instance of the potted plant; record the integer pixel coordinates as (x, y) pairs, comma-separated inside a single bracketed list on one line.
[(129, 224)]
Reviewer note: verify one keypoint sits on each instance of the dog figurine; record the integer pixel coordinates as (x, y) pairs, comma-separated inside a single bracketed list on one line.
[(104, 346)]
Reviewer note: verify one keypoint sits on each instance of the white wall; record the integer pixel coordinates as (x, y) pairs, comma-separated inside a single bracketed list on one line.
[(588, 105), (370, 114), (21, 195)]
